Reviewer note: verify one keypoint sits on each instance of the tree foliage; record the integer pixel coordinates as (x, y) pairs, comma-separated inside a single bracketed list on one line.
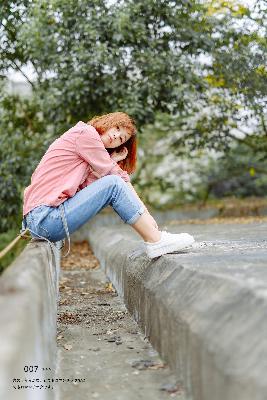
[(142, 57), (174, 172), (203, 64)]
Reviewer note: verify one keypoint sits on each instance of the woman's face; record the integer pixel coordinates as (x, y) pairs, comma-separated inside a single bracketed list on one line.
[(114, 137)]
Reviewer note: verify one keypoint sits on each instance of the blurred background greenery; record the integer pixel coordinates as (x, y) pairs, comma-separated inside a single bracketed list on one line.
[(192, 74)]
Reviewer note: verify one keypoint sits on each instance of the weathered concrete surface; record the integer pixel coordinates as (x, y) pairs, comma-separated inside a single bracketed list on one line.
[(28, 307), (204, 310), (100, 347)]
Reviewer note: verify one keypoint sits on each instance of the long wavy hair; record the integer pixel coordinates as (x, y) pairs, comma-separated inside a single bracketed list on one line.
[(106, 121)]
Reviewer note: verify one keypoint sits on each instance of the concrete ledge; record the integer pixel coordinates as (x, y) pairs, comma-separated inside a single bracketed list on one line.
[(204, 310), (28, 312)]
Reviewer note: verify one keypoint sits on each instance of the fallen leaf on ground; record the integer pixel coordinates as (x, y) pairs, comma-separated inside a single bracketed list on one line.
[(68, 346), (157, 366), (147, 364), (109, 287)]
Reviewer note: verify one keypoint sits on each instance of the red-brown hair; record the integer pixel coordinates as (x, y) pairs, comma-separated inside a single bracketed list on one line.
[(104, 122)]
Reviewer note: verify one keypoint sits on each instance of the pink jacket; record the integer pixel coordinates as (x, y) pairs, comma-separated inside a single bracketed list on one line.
[(73, 161)]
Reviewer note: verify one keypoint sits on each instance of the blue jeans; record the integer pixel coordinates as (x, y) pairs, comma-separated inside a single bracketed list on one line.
[(46, 221)]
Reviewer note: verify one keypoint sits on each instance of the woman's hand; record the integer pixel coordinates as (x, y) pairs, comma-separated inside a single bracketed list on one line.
[(119, 155)]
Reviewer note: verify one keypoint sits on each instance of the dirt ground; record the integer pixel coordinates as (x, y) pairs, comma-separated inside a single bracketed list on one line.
[(100, 342)]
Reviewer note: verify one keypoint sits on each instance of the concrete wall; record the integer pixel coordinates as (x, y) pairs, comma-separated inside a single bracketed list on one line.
[(28, 312), (203, 310)]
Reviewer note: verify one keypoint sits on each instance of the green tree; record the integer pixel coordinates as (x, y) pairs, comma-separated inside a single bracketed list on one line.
[(24, 136), (139, 57)]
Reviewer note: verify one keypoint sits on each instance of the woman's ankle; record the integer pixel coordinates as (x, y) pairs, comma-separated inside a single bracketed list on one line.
[(146, 229), (153, 238)]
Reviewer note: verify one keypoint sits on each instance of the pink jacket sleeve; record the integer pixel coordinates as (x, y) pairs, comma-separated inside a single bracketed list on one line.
[(90, 148)]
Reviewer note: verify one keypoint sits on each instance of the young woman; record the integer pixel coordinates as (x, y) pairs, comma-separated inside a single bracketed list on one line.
[(81, 173)]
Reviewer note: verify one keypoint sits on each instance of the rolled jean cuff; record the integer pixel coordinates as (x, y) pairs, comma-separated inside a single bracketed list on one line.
[(136, 216)]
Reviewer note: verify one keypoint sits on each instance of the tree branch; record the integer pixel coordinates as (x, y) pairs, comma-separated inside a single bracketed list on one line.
[(20, 70), (249, 144), (14, 62)]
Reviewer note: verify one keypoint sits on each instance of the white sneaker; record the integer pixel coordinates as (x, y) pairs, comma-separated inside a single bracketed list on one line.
[(168, 242)]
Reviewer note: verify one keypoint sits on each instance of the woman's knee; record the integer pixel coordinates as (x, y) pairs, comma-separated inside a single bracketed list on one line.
[(114, 179), (115, 185)]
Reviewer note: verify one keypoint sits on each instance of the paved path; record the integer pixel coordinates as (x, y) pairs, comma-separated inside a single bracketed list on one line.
[(99, 341)]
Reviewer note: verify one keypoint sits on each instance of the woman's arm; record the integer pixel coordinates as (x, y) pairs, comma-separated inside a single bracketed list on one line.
[(91, 149)]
